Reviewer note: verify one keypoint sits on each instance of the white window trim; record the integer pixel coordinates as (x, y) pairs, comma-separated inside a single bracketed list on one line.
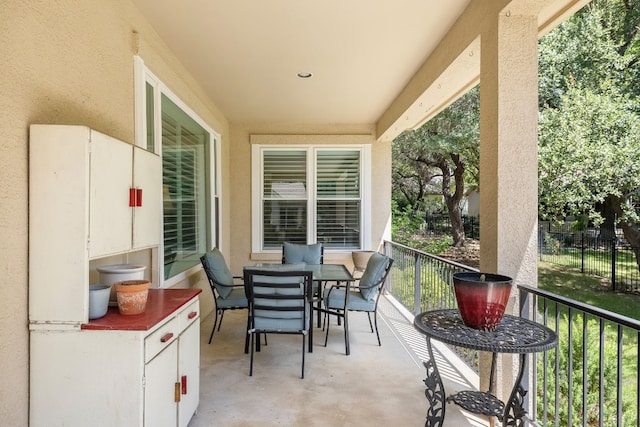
[(142, 75), (257, 174)]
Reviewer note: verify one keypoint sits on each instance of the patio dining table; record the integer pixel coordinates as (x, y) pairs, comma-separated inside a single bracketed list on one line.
[(322, 273)]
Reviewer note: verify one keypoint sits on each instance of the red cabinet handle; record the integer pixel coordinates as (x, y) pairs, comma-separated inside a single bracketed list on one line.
[(138, 197), (166, 337), (192, 315), (184, 384), (132, 197)]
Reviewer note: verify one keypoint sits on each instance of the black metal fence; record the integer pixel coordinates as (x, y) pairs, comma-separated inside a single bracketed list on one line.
[(593, 251), (440, 224), (591, 379)]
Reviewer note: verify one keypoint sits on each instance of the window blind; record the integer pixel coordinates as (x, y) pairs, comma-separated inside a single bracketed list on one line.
[(338, 198), (184, 181), (285, 197)]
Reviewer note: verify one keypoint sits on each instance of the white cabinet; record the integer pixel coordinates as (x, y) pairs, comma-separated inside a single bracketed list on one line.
[(182, 357), (92, 196), (81, 183), (189, 373), (125, 199), (108, 377)]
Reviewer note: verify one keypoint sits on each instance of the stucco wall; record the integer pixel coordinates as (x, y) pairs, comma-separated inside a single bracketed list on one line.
[(240, 185), (66, 62)]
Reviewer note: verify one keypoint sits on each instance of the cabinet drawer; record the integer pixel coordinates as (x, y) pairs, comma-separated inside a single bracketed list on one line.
[(189, 314), (161, 338)]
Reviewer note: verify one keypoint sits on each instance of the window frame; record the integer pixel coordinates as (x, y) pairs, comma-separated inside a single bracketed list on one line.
[(213, 220), (257, 183)]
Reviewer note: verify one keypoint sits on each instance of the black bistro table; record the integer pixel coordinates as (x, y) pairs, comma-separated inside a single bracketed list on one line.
[(514, 335)]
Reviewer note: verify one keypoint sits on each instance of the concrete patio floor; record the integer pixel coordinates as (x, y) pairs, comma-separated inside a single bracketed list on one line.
[(373, 386)]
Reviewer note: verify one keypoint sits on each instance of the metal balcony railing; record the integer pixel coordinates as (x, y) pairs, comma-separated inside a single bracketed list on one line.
[(590, 379)]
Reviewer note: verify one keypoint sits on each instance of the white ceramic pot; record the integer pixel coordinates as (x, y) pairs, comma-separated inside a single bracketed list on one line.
[(110, 274), (98, 300)]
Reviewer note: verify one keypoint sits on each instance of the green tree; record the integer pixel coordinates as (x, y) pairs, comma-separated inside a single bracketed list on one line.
[(589, 135), (444, 150)]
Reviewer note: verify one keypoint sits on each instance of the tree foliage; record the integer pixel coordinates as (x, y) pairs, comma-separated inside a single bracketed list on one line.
[(442, 156), (589, 134)]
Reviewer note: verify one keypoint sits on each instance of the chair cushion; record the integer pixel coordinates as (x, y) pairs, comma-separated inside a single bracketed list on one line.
[(278, 291), (335, 300), (236, 298), (220, 272), (373, 275), (265, 319), (294, 252)]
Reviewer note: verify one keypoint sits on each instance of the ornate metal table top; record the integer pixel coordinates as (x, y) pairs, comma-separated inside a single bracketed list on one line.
[(512, 335)]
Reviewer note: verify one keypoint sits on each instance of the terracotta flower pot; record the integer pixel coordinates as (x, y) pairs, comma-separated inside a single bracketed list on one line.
[(132, 296), (482, 298)]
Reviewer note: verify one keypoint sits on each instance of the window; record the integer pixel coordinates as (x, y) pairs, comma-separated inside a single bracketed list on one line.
[(308, 194), (338, 198), (189, 185)]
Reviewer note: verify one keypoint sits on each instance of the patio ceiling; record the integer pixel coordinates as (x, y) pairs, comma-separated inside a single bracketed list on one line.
[(246, 54)]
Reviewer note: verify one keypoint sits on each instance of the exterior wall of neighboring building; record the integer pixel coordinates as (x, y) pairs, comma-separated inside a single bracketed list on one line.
[(68, 62)]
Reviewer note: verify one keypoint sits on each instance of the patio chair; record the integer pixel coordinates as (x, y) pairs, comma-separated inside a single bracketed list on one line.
[(227, 294), (294, 253), (279, 303), (362, 297)]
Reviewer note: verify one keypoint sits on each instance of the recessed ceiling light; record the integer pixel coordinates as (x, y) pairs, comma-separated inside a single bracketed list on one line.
[(305, 75)]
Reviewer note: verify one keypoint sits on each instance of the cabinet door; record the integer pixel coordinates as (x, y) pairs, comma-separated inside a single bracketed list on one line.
[(189, 372), (110, 180), (147, 217), (160, 407), (58, 223)]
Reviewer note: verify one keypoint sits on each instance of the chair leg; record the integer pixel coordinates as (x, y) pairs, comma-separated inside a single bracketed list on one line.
[(246, 338), (327, 322), (346, 332), (215, 322), (375, 320), (221, 318), (370, 324), (303, 351), (252, 347)]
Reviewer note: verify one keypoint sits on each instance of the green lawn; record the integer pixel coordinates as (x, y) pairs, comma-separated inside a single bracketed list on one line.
[(587, 289)]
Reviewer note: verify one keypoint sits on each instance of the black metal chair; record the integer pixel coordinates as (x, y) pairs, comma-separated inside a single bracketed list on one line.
[(294, 253), (228, 294), (362, 297), (279, 303)]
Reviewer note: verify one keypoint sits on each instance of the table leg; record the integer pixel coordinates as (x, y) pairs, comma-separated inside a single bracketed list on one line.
[(514, 411), (347, 291), (435, 392), (319, 300)]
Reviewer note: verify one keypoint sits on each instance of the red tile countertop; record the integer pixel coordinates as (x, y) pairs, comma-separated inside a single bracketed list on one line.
[(160, 304)]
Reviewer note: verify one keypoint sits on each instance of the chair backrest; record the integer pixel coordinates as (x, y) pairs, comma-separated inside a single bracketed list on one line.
[(279, 299), (374, 275), (218, 274), (293, 253)]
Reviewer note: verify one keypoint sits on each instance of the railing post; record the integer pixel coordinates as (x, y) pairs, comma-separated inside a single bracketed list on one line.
[(416, 285)]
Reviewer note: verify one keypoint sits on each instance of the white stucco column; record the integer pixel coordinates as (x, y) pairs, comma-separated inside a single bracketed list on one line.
[(508, 161)]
